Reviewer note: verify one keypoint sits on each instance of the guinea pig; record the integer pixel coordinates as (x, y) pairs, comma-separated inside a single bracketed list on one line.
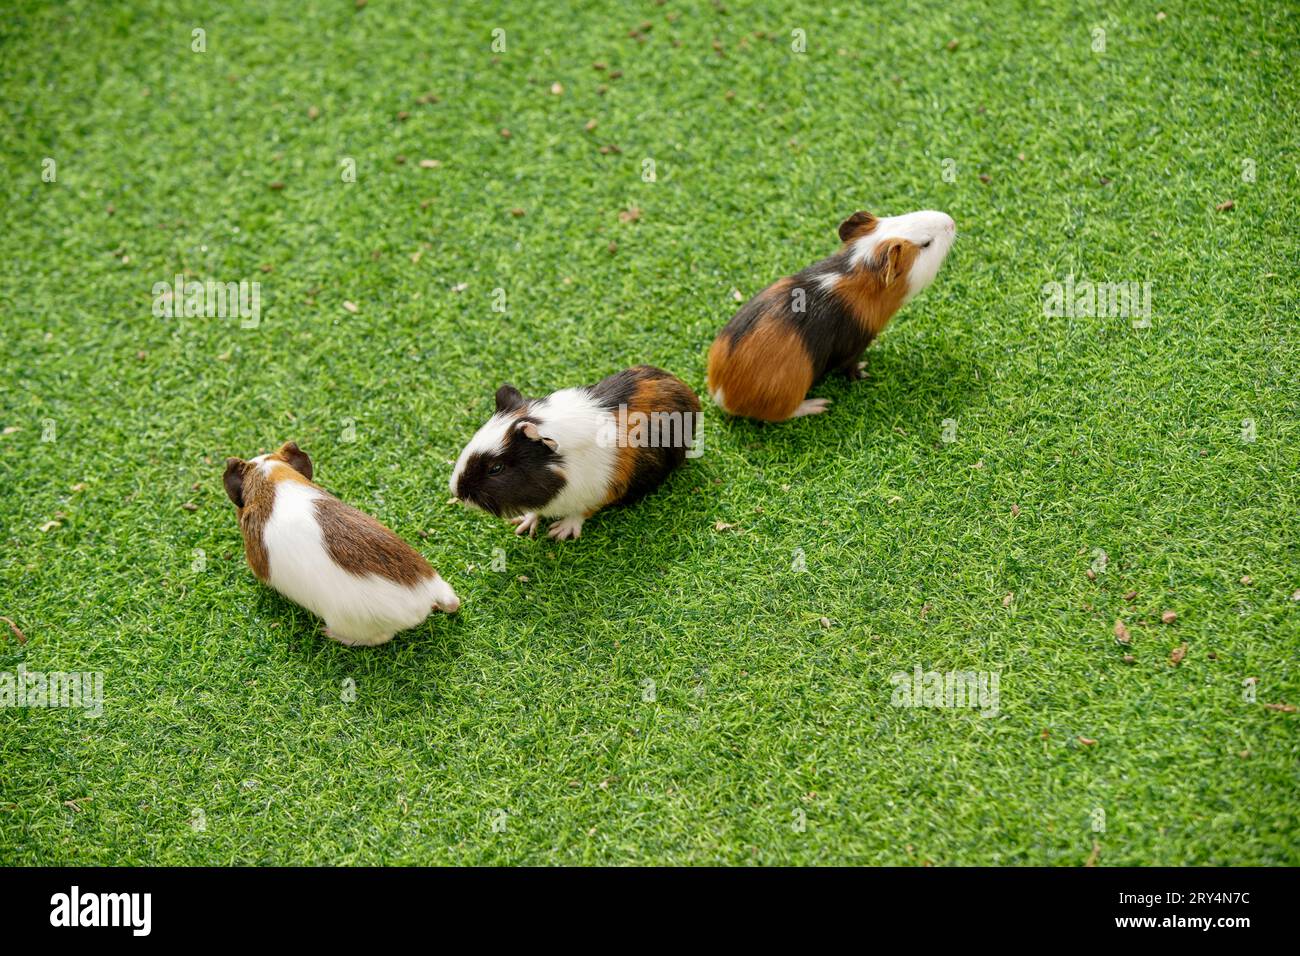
[(800, 327), (338, 563), (577, 450)]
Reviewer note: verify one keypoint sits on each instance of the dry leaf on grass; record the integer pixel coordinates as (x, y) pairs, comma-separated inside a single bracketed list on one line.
[(17, 631), (1121, 632), (351, 307), (1087, 741), (1169, 617), (1178, 653)]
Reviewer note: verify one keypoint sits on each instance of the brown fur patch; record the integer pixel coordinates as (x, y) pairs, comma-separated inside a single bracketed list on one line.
[(300, 467), (259, 497), (874, 292), (357, 542), (859, 224), (360, 544), (655, 393), (768, 372)]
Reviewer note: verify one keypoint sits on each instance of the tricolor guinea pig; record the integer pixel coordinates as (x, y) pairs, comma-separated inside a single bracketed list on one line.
[(337, 562), (577, 450), (800, 327)]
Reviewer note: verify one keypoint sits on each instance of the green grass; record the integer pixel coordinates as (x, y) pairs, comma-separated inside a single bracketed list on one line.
[(222, 697)]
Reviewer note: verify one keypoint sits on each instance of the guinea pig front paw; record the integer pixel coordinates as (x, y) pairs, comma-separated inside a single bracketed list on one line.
[(566, 529), (526, 524)]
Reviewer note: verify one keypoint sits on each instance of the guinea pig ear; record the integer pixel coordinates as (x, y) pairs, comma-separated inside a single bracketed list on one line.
[(233, 479), (508, 398), (297, 458), (531, 431), (858, 224), (888, 262)]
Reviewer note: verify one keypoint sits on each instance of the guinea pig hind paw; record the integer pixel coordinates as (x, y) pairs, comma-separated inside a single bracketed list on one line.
[(811, 406), (526, 524), (566, 529)]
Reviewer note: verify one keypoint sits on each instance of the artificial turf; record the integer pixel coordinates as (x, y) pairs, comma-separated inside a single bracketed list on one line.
[(703, 677)]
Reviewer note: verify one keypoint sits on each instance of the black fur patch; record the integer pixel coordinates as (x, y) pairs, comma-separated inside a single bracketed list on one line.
[(525, 482), (652, 464), (509, 398), (826, 326), (618, 389)]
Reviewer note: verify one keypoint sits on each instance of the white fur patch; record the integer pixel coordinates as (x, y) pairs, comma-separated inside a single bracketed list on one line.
[(357, 609), (936, 228), (829, 280), (576, 422)]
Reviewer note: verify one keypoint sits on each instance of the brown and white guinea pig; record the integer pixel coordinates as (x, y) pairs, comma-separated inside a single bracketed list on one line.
[(577, 450), (337, 562), (800, 327)]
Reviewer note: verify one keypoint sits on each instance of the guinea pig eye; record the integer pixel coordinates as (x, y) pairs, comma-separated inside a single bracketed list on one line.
[(926, 244), (496, 469)]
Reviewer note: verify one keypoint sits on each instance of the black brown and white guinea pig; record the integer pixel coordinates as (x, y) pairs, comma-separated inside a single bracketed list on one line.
[(577, 450), (800, 327), (337, 562)]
